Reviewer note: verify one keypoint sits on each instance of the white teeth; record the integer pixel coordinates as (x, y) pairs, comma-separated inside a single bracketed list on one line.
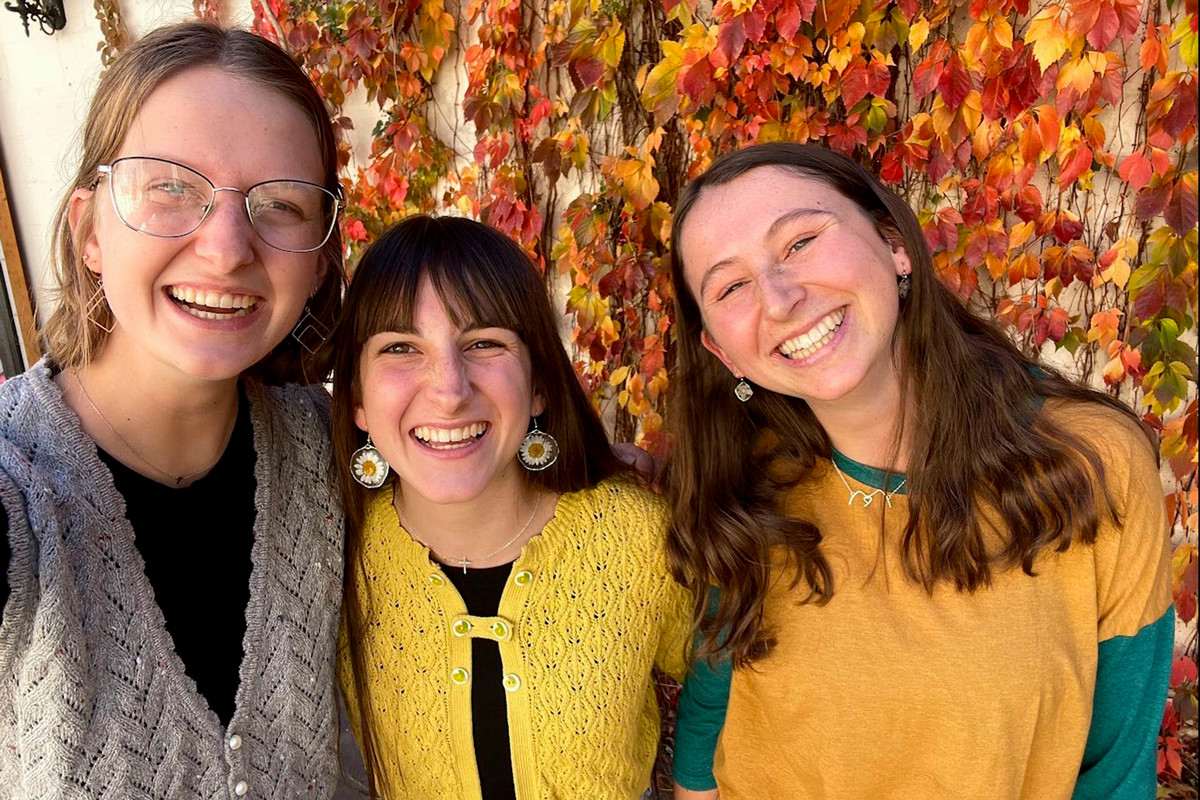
[(431, 435), (814, 338), (215, 300)]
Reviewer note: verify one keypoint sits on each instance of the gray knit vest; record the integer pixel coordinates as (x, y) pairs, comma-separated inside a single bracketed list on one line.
[(94, 702)]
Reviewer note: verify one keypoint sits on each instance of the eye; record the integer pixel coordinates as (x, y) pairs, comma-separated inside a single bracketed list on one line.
[(799, 244), (730, 289), (398, 349)]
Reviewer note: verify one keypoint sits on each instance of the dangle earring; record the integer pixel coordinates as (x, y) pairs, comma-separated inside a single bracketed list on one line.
[(743, 391), (97, 305), (903, 284), (368, 467), (310, 332), (538, 449)]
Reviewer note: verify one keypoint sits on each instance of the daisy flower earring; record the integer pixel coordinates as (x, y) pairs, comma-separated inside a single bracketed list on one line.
[(538, 449), (368, 466)]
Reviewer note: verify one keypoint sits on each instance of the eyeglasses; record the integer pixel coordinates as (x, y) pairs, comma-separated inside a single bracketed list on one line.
[(161, 198)]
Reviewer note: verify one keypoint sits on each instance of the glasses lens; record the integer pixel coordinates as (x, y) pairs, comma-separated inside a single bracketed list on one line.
[(292, 215), (158, 197)]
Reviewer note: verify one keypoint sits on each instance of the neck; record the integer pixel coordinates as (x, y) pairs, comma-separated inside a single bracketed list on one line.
[(164, 425), (864, 428), (478, 529)]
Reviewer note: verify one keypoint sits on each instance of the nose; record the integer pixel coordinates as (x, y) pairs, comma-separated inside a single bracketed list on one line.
[(448, 381), (780, 292), (226, 237)]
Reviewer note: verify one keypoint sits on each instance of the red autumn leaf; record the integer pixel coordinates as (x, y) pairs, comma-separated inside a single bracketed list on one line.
[(1105, 29), (854, 84), (1184, 669), (731, 39), (1029, 203), (1152, 200), (954, 83), (1181, 210), (587, 72), (891, 168), (695, 80), (1183, 110), (1136, 170), (926, 76), (755, 22), (787, 20), (1067, 229), (1076, 163)]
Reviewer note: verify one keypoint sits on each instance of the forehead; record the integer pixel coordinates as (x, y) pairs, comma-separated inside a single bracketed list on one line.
[(234, 130), (738, 214)]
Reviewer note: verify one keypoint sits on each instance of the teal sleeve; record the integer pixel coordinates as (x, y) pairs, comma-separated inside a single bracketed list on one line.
[(700, 717), (1121, 756)]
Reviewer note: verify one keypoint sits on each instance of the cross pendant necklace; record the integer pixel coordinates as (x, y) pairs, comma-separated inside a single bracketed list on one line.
[(463, 561)]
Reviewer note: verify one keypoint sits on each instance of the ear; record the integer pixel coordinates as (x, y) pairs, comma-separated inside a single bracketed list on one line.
[(79, 206), (711, 346), (360, 417), (319, 278), (901, 260), (538, 406)]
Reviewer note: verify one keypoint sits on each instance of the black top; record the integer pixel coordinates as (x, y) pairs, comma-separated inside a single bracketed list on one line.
[(481, 590), (196, 544)]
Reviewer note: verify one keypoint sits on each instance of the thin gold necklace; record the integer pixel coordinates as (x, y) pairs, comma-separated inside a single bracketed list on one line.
[(465, 562), (178, 479), (867, 497)]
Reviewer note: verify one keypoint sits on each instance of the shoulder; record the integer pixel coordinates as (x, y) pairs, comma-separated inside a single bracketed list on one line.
[(1117, 439), (617, 504), (301, 412)]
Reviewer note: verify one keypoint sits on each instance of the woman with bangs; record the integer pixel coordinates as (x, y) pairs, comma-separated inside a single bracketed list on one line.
[(170, 559), (936, 568), (507, 595)]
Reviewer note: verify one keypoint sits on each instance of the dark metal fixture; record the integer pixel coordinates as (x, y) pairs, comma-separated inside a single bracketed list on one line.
[(49, 14)]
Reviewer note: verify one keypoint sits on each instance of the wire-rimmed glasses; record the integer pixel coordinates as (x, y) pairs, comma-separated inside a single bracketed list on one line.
[(165, 199)]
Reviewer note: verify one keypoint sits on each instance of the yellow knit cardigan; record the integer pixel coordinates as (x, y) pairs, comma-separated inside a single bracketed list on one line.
[(588, 610)]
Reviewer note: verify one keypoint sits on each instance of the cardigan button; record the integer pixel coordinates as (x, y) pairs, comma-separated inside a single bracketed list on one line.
[(459, 676), (240, 788), (511, 682), (436, 579), (462, 627), (500, 630), (235, 742), (523, 578)]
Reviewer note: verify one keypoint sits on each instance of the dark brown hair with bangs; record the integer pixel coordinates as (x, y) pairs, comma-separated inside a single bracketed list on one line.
[(976, 438), (483, 278)]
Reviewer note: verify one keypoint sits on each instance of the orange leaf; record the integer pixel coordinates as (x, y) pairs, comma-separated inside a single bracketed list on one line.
[(1135, 170)]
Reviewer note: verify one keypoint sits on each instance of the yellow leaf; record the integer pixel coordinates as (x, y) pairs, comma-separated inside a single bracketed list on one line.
[(618, 376), (918, 32), (1048, 36), (1020, 234)]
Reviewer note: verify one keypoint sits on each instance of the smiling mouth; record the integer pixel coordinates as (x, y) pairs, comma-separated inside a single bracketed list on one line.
[(814, 338), (212, 305), (450, 438)]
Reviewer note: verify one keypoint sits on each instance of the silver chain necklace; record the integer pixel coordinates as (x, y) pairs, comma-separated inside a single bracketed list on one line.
[(463, 561), (177, 479), (867, 497)]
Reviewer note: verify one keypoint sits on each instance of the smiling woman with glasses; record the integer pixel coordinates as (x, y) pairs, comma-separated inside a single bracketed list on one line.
[(170, 545)]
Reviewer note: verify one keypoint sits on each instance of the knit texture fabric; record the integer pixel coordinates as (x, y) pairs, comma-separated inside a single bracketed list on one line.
[(94, 701), (589, 609)]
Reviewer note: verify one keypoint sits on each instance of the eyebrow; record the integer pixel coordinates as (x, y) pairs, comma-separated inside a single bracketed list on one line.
[(781, 221)]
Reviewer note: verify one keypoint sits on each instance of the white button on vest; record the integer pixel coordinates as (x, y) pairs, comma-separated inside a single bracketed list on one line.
[(235, 742), (240, 788)]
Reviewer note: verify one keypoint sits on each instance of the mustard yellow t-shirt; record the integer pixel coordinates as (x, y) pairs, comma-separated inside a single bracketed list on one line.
[(589, 609), (1036, 688)]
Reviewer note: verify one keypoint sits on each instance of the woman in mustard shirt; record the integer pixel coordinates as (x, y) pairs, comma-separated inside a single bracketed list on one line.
[(941, 567)]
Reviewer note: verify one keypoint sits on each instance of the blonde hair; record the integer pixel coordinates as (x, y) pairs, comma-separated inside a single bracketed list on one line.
[(75, 333)]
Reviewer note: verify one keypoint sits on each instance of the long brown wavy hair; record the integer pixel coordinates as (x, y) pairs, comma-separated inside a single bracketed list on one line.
[(974, 440), (71, 338), (483, 279)]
